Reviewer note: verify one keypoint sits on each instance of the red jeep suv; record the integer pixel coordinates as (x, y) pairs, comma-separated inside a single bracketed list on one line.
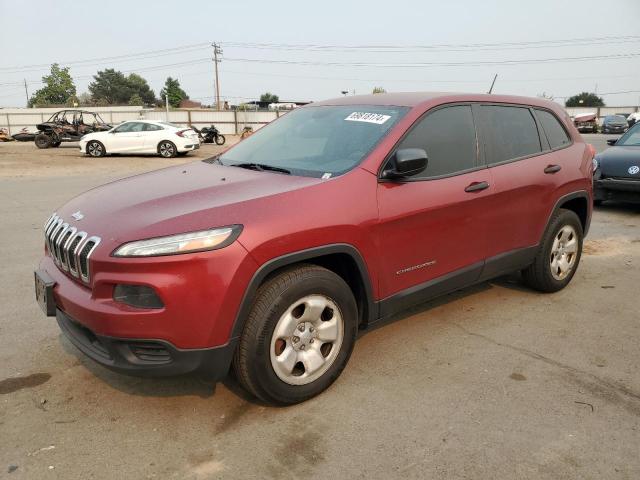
[(271, 256)]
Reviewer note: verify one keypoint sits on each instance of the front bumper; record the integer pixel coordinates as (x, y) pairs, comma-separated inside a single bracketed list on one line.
[(616, 189), (147, 358), (610, 129)]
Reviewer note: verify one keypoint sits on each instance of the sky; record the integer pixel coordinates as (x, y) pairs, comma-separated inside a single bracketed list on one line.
[(305, 51)]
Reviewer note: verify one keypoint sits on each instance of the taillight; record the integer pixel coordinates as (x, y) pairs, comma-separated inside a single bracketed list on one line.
[(180, 133)]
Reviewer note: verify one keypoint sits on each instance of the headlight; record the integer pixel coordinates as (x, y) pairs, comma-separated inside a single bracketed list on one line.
[(181, 243), (595, 164)]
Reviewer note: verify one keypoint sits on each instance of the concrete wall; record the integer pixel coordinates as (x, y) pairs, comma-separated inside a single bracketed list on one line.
[(228, 122)]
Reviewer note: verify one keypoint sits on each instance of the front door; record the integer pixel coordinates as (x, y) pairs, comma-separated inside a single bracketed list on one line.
[(432, 227), (126, 138)]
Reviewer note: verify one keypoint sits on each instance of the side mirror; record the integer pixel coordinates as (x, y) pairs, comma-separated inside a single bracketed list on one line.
[(405, 163), (612, 141)]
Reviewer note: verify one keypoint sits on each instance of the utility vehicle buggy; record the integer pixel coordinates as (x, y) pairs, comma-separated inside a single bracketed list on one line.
[(68, 126)]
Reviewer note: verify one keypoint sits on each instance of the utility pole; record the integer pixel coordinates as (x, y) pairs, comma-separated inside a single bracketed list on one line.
[(217, 51), (26, 91), (166, 104)]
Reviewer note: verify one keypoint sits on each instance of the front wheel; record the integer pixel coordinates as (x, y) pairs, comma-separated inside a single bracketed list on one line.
[(43, 140), (298, 337), (167, 149), (96, 149), (558, 254), (220, 140)]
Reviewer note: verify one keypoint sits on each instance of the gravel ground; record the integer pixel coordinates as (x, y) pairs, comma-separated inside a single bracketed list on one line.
[(495, 381)]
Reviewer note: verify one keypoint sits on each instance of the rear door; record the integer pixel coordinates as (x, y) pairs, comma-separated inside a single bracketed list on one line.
[(526, 172), (153, 134), (432, 226)]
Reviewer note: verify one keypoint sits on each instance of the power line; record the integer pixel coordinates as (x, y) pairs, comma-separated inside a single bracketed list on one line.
[(436, 64), (442, 47), (127, 57)]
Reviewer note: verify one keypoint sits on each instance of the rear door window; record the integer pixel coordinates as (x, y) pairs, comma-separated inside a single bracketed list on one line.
[(448, 136), (509, 133), (556, 134)]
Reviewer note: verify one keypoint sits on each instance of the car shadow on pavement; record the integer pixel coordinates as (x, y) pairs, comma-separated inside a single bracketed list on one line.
[(197, 385), (178, 386), (611, 206)]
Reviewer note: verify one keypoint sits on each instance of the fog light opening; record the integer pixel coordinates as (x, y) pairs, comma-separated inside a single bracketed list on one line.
[(139, 296)]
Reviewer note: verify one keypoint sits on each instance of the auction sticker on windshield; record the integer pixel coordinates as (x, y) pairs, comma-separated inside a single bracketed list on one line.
[(376, 118)]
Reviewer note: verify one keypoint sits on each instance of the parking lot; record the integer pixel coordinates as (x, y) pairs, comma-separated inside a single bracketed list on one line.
[(495, 381)]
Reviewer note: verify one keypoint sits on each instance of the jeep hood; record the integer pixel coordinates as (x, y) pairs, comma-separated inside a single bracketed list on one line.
[(179, 199)]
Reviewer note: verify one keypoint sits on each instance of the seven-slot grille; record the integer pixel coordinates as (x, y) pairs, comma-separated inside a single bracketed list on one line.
[(69, 247)]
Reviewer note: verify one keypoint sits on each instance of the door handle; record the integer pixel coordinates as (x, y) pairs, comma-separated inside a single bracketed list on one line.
[(476, 187), (552, 169)]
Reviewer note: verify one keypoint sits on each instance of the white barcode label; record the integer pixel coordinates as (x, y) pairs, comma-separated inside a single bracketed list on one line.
[(376, 118)]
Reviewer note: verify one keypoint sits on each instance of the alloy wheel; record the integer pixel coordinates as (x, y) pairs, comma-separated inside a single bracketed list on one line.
[(167, 149), (94, 149)]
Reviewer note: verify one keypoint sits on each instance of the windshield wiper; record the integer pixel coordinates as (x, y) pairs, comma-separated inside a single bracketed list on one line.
[(260, 167)]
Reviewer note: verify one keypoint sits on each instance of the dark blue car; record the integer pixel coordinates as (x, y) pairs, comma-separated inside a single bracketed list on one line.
[(616, 173)]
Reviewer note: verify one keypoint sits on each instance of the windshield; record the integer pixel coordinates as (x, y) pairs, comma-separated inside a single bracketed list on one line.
[(631, 138), (615, 119), (321, 141)]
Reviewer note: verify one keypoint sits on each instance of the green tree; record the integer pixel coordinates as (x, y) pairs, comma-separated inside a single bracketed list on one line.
[(141, 88), (58, 88), (173, 91), (114, 88), (111, 87), (378, 90), (136, 100), (269, 97), (584, 99)]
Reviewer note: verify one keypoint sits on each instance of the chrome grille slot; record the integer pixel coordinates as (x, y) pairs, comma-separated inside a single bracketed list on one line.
[(69, 248)]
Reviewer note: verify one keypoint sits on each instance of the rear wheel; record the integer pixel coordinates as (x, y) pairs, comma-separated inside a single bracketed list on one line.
[(298, 337), (558, 254), (43, 140), (96, 149), (220, 140), (167, 149)]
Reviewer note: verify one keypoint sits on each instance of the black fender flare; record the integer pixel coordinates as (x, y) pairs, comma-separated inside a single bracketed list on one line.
[(297, 257), (565, 198)]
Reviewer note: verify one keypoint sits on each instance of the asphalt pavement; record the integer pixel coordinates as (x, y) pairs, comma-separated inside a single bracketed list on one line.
[(495, 381)]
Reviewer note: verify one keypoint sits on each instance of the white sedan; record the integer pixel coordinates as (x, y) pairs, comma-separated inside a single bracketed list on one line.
[(141, 136)]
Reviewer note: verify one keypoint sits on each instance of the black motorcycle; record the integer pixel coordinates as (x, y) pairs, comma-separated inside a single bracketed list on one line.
[(210, 135)]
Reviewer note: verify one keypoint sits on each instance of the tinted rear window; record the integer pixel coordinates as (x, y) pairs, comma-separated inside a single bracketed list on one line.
[(556, 135), (510, 132)]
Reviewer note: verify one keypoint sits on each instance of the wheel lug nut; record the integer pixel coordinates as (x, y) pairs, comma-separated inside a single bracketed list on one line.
[(302, 347), (311, 329), (311, 340), (301, 327), (296, 339)]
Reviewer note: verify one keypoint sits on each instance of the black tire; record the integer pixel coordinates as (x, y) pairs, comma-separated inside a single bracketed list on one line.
[(96, 149), (167, 149), (539, 275), (252, 360), (220, 140), (43, 140), (597, 203)]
